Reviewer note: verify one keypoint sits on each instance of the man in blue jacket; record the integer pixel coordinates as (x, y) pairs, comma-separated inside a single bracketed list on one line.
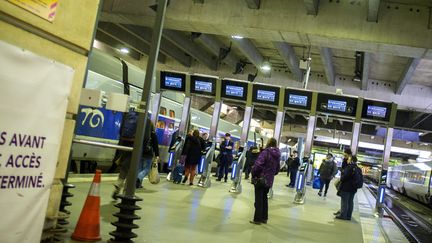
[(226, 150)]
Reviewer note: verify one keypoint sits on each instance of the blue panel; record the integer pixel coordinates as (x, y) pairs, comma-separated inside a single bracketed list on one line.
[(98, 123)]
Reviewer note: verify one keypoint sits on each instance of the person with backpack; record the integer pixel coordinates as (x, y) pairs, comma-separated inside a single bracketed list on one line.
[(351, 180), (150, 149), (263, 172), (327, 171), (193, 150)]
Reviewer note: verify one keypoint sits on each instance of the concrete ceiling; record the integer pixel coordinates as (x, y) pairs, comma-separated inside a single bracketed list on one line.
[(398, 42)]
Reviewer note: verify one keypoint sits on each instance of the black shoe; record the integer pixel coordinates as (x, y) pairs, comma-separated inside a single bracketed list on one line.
[(191, 184), (264, 221), (325, 194), (288, 185), (247, 177), (320, 194), (255, 222), (138, 184), (184, 180), (339, 217), (225, 180), (218, 179), (337, 213)]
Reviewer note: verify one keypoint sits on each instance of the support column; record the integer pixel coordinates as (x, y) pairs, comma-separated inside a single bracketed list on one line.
[(155, 109), (185, 117), (356, 127), (383, 178), (280, 118), (126, 216)]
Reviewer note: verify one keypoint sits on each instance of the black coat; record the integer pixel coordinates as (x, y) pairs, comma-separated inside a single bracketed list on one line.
[(347, 178), (193, 150)]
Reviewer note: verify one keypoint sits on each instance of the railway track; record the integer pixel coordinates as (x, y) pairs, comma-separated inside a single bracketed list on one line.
[(413, 226)]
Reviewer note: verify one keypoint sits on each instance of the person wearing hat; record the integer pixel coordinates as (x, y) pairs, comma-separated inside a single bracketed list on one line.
[(226, 149)]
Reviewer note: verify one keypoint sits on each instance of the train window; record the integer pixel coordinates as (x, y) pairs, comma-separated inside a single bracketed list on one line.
[(172, 114), (160, 124), (163, 111), (416, 177)]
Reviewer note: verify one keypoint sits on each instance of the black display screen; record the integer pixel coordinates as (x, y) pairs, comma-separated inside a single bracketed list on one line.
[(337, 104), (203, 85), (265, 94), (234, 90), (298, 99), (173, 81), (376, 110)]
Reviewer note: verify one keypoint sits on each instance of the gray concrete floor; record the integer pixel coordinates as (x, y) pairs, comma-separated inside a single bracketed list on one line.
[(180, 213)]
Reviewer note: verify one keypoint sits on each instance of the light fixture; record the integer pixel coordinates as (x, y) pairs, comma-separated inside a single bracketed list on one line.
[(372, 137), (237, 37), (124, 50), (266, 66)]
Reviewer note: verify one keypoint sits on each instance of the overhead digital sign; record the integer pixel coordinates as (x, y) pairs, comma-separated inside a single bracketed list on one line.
[(298, 99), (234, 90), (265, 94), (376, 110), (203, 85), (337, 104), (173, 81)]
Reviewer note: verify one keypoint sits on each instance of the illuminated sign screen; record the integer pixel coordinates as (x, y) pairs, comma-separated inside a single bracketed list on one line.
[(234, 90), (172, 81), (376, 110), (298, 99), (337, 104), (203, 85), (266, 94)]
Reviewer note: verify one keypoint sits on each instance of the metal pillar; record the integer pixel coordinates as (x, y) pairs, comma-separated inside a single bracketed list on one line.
[(126, 216), (309, 136), (185, 117), (280, 117), (355, 137), (155, 109), (237, 167), (300, 147), (384, 168), (205, 179)]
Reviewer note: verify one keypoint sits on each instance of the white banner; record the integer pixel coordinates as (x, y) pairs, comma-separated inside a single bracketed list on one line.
[(33, 100)]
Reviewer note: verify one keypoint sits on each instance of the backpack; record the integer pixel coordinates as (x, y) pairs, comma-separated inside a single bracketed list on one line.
[(129, 125), (358, 178)]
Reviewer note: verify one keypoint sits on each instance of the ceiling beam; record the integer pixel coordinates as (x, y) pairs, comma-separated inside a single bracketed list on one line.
[(286, 51), (326, 57), (250, 51), (253, 4), (115, 45), (206, 106), (407, 74), (166, 47), (311, 6), (366, 70), (187, 45), (215, 46), (373, 9), (127, 39)]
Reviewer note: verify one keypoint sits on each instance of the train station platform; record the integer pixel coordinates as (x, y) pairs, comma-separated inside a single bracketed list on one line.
[(182, 213)]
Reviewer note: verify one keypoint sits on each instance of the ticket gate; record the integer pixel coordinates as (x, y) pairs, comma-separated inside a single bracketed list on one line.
[(236, 173), (204, 167), (301, 181), (174, 156)]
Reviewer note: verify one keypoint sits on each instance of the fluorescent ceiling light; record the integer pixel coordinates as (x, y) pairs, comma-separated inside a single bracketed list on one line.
[(124, 50), (238, 37), (266, 66)]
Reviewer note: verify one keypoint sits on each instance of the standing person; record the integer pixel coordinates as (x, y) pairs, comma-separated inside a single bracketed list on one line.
[(327, 171), (346, 160), (226, 150), (348, 189), (150, 149), (251, 156), (288, 163), (193, 149), (263, 172), (293, 169)]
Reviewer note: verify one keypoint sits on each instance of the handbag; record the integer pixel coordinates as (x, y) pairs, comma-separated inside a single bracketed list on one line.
[(316, 183), (259, 181), (153, 176)]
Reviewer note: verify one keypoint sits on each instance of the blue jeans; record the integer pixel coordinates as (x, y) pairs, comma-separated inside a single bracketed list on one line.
[(144, 167), (347, 204)]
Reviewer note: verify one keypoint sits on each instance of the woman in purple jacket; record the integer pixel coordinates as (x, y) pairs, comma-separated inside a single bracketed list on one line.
[(263, 172)]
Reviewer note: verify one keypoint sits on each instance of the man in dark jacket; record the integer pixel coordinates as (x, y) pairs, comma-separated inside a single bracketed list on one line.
[(251, 156), (226, 149), (327, 171), (347, 189), (293, 169), (151, 147)]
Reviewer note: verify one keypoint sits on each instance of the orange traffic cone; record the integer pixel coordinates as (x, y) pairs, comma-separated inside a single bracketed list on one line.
[(88, 226)]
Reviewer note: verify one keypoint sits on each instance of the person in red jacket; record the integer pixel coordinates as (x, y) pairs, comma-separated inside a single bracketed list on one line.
[(263, 172)]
